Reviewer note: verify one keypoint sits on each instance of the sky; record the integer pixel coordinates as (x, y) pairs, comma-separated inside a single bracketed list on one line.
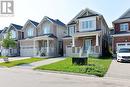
[(63, 10)]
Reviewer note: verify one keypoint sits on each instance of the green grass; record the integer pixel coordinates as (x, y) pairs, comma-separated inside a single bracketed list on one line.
[(95, 66), (20, 62)]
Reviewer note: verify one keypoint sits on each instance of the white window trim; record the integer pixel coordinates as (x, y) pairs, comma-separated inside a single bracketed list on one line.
[(13, 34), (30, 32), (46, 30), (71, 31), (87, 26), (123, 28)]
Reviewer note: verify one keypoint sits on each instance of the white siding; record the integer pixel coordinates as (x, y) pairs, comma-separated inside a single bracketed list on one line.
[(93, 19)]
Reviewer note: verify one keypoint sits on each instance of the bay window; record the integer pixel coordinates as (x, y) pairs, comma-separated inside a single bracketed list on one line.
[(86, 24)]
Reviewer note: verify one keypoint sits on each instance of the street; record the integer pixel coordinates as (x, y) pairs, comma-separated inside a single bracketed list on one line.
[(12, 77)]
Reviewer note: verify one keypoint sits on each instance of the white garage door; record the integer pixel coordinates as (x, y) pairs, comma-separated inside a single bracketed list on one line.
[(122, 45), (26, 51)]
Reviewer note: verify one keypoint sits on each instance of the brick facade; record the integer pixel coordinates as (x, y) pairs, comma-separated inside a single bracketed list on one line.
[(117, 26), (79, 42), (120, 39)]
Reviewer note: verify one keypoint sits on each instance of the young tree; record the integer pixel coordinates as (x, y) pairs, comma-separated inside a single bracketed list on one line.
[(7, 43)]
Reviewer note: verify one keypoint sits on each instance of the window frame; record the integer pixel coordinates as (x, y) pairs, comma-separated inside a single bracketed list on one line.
[(86, 25), (71, 30), (13, 34), (46, 30), (123, 27), (30, 32)]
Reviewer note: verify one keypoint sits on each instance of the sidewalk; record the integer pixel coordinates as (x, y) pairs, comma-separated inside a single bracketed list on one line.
[(14, 58), (39, 63)]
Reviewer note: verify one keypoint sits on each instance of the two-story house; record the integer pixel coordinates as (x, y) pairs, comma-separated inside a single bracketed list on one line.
[(42, 39), (121, 37), (15, 31), (87, 35)]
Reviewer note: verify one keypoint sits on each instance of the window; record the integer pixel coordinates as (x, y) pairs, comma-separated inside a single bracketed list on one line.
[(46, 30), (30, 32), (71, 30), (124, 27), (86, 24), (13, 34)]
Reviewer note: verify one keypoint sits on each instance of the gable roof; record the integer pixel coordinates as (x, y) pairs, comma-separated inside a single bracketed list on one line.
[(84, 13), (4, 30), (31, 22), (34, 22), (124, 17), (18, 27), (58, 22)]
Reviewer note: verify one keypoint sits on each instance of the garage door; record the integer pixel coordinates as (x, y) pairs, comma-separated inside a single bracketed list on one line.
[(122, 45), (26, 51)]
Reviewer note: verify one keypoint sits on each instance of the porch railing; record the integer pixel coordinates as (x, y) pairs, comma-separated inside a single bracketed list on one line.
[(92, 50), (43, 51)]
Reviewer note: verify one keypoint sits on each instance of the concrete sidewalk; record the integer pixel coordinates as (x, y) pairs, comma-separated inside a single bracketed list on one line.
[(40, 63), (15, 58)]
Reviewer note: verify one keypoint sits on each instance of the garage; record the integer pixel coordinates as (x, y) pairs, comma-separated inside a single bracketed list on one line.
[(26, 51), (122, 45)]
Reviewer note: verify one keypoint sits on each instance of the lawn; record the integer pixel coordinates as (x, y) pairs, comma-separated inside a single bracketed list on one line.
[(20, 62), (95, 66)]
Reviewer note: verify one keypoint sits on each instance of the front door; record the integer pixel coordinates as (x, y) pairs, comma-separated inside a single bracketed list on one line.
[(87, 44)]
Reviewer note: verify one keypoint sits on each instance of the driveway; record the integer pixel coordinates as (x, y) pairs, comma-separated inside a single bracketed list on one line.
[(119, 70), (12, 77)]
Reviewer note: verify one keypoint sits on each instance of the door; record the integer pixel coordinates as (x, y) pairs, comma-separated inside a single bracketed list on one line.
[(60, 48), (68, 50), (87, 44)]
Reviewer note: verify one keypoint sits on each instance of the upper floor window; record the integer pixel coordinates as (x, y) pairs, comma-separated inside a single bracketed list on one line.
[(13, 34), (86, 24), (30, 32), (124, 27), (71, 30), (46, 30)]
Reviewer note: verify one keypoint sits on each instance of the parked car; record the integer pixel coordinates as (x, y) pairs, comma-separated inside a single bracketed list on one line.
[(123, 55)]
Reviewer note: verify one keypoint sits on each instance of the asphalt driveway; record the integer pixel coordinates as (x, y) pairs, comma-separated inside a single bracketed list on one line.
[(119, 70)]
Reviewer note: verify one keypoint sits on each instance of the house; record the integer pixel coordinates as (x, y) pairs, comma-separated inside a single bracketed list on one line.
[(87, 35), (15, 31), (121, 37), (42, 39)]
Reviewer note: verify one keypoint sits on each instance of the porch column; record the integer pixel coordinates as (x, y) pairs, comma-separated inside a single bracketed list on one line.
[(97, 40), (34, 47), (47, 47), (73, 41)]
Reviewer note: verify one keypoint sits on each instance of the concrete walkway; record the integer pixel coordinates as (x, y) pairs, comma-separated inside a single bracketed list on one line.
[(40, 63), (15, 58), (119, 70)]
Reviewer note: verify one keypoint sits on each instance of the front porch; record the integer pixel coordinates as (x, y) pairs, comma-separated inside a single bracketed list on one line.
[(44, 47), (88, 44)]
